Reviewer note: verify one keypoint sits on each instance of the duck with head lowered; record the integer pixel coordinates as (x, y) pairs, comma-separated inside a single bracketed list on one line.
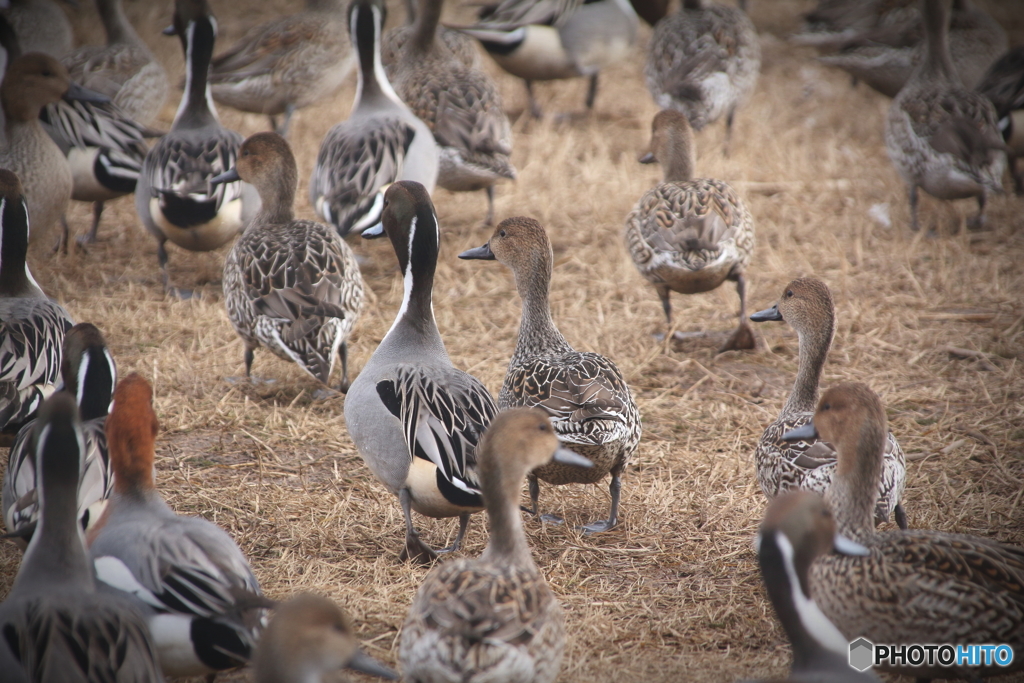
[(414, 417)]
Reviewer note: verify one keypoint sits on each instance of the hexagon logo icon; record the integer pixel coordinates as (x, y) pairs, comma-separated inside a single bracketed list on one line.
[(862, 654)]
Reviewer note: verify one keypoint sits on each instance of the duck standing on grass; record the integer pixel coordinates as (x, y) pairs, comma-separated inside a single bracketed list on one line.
[(290, 285), (589, 403)]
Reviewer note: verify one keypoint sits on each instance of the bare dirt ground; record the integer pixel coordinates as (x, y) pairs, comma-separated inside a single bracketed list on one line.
[(674, 592)]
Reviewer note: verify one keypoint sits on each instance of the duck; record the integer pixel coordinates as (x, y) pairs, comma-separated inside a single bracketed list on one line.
[(32, 327), (125, 70), (462, 108), (703, 61), (806, 304), (285, 64), (798, 528), (493, 618), (415, 419), (33, 81), (59, 626), (886, 57), (689, 235), (198, 593), (915, 586), (394, 40), (1003, 85), (584, 393), (941, 136), (41, 26), (290, 285), (381, 142), (173, 196), (88, 373), (309, 638), (542, 41)]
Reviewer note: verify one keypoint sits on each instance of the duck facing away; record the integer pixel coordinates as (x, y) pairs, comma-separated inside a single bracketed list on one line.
[(703, 61), (57, 624), (689, 235), (285, 64), (381, 142), (32, 327), (940, 136), (798, 527), (493, 618), (915, 586), (309, 639), (173, 197), (290, 285), (88, 373), (415, 418), (806, 304), (585, 394), (541, 41), (198, 593), (460, 105)]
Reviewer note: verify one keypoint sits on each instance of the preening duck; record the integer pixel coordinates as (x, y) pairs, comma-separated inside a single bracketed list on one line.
[(414, 417)]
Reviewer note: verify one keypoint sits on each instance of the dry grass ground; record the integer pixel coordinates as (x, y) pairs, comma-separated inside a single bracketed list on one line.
[(673, 593)]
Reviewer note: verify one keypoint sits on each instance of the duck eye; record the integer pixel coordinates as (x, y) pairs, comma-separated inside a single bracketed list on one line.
[(789, 293), (544, 427), (826, 406), (501, 233)]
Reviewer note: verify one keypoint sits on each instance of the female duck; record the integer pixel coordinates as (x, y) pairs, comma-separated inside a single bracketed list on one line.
[(415, 419), (290, 285), (806, 304), (914, 586), (89, 374), (584, 393), (381, 142), (689, 235), (202, 602), (173, 196), (493, 618)]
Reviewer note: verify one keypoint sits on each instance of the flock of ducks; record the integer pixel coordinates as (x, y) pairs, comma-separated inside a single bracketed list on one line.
[(114, 585)]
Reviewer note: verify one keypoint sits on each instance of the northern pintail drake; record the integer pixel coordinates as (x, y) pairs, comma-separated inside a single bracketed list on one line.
[(290, 285), (588, 400), (460, 105), (414, 417), (797, 529), (915, 586), (308, 640), (381, 142), (58, 626), (41, 26), (689, 235), (124, 69), (286, 64), (806, 304), (542, 41), (88, 373), (886, 57), (201, 600), (1003, 85), (940, 136), (32, 327), (173, 197), (33, 81), (703, 61), (493, 618)]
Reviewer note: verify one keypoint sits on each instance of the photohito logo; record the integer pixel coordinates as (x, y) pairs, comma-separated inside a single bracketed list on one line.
[(864, 654)]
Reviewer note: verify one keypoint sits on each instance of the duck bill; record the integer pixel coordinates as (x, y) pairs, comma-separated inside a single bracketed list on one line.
[(483, 253), (364, 663), (647, 158), (77, 93), (767, 314), (805, 432), (566, 457), (374, 231), (846, 546), (228, 176), (170, 31)]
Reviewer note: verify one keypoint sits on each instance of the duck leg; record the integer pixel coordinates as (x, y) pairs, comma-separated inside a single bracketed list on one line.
[(343, 356), (489, 221), (97, 213), (415, 549), (463, 525), (161, 255), (592, 92), (912, 194), (535, 110), (289, 109), (535, 496), (743, 337), (61, 244), (728, 131), (978, 222), (615, 487), (901, 516)]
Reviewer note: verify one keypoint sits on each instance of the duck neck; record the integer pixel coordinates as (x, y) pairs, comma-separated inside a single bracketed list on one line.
[(937, 63), (693, 4), (538, 335), (94, 385), (428, 15), (15, 278), (196, 107), (373, 84), (507, 544), (677, 167), (418, 260), (116, 24), (814, 346), (854, 489), (277, 201)]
